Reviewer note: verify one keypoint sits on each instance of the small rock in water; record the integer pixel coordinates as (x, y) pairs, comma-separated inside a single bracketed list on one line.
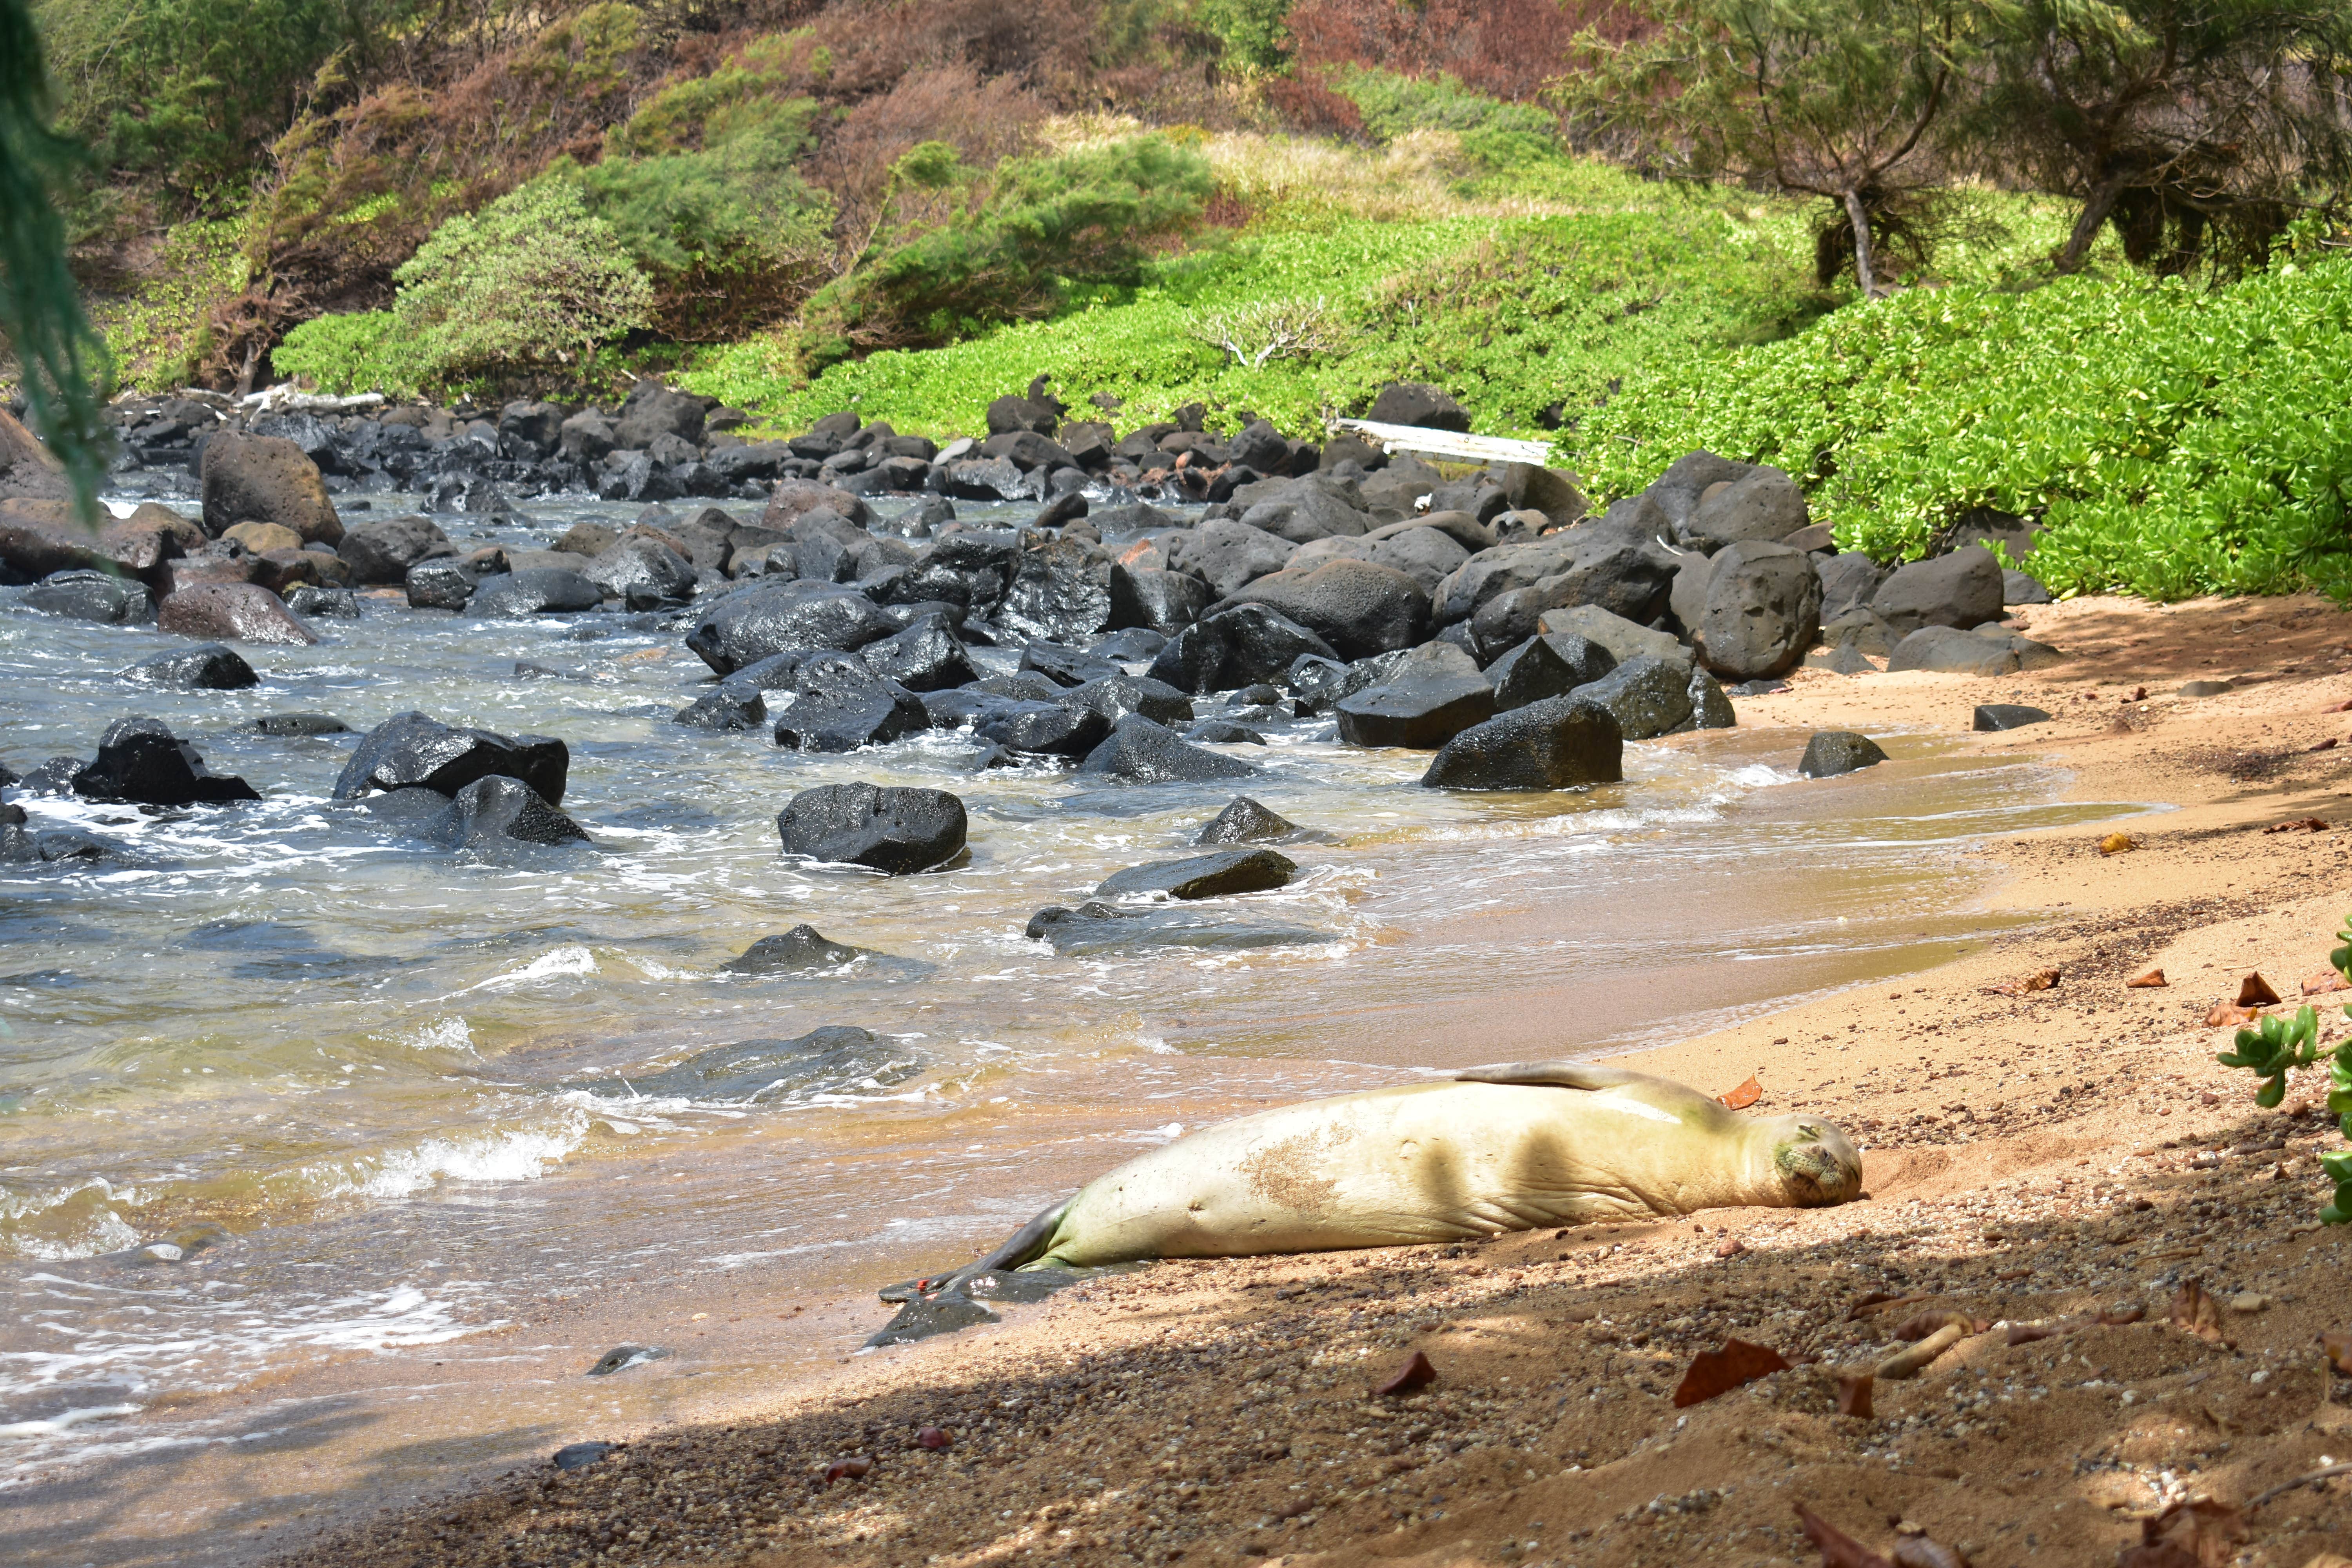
[(1140, 752), (729, 708), (893, 831), (580, 1456), (928, 1315), (309, 599), (411, 749), (620, 1358), (142, 762), (210, 668), (298, 724), (1096, 927), (1248, 822), (1995, 716), (498, 810), (1203, 876), (1833, 751), (1224, 733), (1557, 743), (797, 950)]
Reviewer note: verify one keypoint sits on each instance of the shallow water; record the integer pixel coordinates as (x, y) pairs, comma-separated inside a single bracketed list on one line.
[(380, 1094)]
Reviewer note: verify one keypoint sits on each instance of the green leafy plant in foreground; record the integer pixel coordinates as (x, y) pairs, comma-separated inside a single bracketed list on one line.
[(2277, 1045)]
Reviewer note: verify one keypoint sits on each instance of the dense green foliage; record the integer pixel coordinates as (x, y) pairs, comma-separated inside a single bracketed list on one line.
[(1394, 105), (969, 250), (2176, 441), (534, 279)]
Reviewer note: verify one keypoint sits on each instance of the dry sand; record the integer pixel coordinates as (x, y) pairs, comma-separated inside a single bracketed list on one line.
[(2035, 1158)]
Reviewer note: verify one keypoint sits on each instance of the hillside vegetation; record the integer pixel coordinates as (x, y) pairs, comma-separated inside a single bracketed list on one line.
[(1931, 257)]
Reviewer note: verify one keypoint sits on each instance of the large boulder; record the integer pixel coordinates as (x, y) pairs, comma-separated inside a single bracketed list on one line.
[(381, 549), (1421, 404), (1304, 510), (85, 595), (1116, 695), (893, 831), (535, 591), (1764, 505), (1676, 494), (1763, 610), (1647, 697), (1039, 728), (751, 624), (729, 708), (141, 762), (1357, 607), (1949, 650), (1213, 876), (1140, 752), (1427, 555), (643, 572), (1614, 563), (1557, 743), (926, 657), (1155, 599), (28, 471), (1962, 589), (440, 585), (1234, 647), (842, 706), (1623, 639), (495, 811), (1850, 581), (653, 411), (1552, 664), (1060, 591), (39, 538), (231, 612), (1529, 488), (266, 479), (791, 499), (1436, 692), (1229, 554), (211, 668), (409, 751)]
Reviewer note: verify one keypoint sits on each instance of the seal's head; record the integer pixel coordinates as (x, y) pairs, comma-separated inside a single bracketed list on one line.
[(1816, 1165)]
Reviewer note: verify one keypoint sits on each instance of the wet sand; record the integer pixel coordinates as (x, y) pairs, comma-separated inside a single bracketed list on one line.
[(1214, 1411)]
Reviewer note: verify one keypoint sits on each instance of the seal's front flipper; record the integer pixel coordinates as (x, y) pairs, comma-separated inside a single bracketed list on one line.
[(1556, 1075)]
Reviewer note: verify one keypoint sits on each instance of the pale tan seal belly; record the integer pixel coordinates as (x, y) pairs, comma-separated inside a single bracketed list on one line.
[(1543, 1144)]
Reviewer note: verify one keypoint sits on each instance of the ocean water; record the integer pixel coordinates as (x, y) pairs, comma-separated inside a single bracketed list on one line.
[(282, 1086)]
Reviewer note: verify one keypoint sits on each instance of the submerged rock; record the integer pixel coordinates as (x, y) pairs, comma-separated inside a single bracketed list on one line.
[(835, 1059), (84, 595), (727, 707), (800, 950), (1203, 876), (1833, 751), (496, 811), (1097, 927), (1140, 752), (211, 668), (620, 1358)]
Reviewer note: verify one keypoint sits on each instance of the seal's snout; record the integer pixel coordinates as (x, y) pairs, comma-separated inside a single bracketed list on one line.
[(1817, 1165)]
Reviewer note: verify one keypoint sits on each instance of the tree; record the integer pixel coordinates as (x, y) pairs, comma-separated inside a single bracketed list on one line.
[(40, 310), (1835, 99), (2179, 121)]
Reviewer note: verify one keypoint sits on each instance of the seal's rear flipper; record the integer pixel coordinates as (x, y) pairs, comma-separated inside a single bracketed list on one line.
[(1021, 1246), (1556, 1075)]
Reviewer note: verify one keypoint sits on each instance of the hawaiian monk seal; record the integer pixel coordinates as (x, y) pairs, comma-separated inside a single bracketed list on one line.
[(1512, 1148)]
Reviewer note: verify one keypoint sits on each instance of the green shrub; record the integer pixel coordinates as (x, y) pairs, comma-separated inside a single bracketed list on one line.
[(1394, 105), (2176, 441), (532, 280), (344, 355), (1012, 245)]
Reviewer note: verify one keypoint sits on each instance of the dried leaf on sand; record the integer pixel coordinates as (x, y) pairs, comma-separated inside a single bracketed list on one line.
[(1745, 1095), (1719, 1371)]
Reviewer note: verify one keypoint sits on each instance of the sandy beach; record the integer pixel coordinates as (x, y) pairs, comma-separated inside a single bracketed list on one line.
[(2049, 1157)]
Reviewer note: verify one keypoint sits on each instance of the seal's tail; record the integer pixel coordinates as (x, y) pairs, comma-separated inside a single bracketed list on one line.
[(1023, 1245)]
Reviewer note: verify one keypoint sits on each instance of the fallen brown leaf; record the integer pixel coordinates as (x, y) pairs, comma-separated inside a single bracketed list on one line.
[(2324, 980), (2344, 707), (1838, 1549), (2117, 1319), (1415, 1373), (2336, 1346), (2327, 745), (2012, 1276), (2194, 1310), (2040, 980), (2148, 981), (1873, 1302), (2117, 843), (1854, 1394), (2224, 1016), (1745, 1095), (1920, 1551), (2201, 1534), (2300, 824), (2254, 991), (1719, 1371), (847, 1470)]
